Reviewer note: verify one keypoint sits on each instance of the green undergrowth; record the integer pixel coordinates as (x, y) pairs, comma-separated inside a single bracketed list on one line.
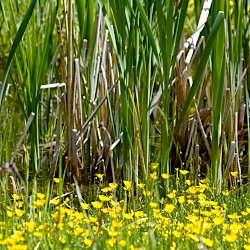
[(116, 216)]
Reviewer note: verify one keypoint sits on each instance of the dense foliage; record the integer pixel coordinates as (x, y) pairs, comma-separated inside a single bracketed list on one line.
[(103, 92)]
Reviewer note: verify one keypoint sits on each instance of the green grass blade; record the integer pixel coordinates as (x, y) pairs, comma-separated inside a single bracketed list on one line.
[(4, 16), (180, 25), (148, 29), (218, 75), (203, 62), (14, 47), (80, 5)]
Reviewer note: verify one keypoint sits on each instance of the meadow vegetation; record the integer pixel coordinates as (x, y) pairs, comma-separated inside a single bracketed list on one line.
[(124, 124)]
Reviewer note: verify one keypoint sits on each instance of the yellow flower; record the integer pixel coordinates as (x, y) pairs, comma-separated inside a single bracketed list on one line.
[(99, 176), (230, 238), (234, 216), (153, 204), (104, 198), (71, 224), (218, 220), (9, 214), (156, 213), (111, 242), (248, 226), (79, 215), (116, 223), (62, 240), (85, 233), (234, 174), (41, 196), (88, 242), (172, 194), (188, 182), (184, 172), (192, 190), (236, 227), (190, 202), (141, 185), (85, 206), (39, 202), (55, 202), (127, 185), (225, 193), (154, 165), (38, 234), (114, 203), (193, 237), (19, 212), (139, 214), (30, 226), (244, 213), (113, 233), (15, 196), (146, 193), (176, 234), (208, 242), (78, 231), (42, 226), (17, 247), (19, 204), (66, 201), (106, 189), (246, 247), (56, 180), (93, 219), (153, 176), (122, 243), (181, 199), (113, 185), (169, 208), (96, 204), (165, 175), (192, 218), (127, 216), (217, 212), (173, 247), (204, 181)]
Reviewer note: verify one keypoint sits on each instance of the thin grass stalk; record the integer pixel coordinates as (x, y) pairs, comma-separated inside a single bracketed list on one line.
[(138, 138), (70, 115), (237, 148)]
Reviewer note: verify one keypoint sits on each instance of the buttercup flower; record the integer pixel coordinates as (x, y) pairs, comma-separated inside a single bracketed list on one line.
[(96, 204), (208, 242), (154, 165), (153, 176), (184, 172), (127, 185), (165, 175), (99, 176), (234, 174), (169, 208)]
